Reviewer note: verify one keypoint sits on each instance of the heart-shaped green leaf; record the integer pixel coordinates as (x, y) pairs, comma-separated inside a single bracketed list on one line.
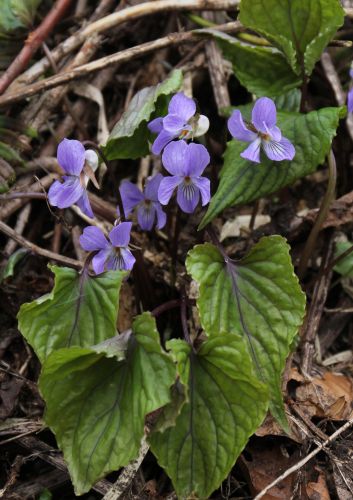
[(129, 137), (263, 71), (80, 310), (300, 28), (242, 181), (225, 405), (258, 297), (96, 405)]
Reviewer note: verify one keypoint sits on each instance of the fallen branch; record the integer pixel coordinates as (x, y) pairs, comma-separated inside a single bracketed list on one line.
[(4, 228), (33, 42), (117, 57), (306, 459), (117, 18)]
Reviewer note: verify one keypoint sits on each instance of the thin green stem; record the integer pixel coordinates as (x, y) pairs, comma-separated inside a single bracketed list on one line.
[(323, 211)]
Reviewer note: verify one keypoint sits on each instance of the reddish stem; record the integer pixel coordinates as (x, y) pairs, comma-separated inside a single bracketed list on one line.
[(33, 42)]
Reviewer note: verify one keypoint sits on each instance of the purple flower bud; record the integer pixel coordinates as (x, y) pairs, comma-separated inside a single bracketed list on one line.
[(112, 254), (149, 209), (181, 122), (186, 163), (71, 157), (262, 132)]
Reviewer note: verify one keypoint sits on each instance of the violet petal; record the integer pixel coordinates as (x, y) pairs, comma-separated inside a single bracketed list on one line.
[(146, 216), (99, 260), (156, 125), (68, 193), (279, 150), (174, 157), (182, 106), (120, 234), (204, 186), (130, 195), (188, 197), (84, 204), (151, 187), (161, 215), (71, 156), (264, 114), (93, 239), (162, 139), (252, 152), (197, 158), (174, 125), (237, 128), (350, 101), (166, 188), (128, 258)]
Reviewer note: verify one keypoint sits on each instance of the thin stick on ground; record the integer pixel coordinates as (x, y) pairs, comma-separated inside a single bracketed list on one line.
[(306, 459), (33, 42), (117, 57), (127, 475), (321, 216), (23, 242), (115, 19)]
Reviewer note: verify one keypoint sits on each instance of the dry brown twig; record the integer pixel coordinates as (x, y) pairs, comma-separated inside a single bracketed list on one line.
[(117, 57), (114, 20), (33, 42), (23, 242), (306, 459)]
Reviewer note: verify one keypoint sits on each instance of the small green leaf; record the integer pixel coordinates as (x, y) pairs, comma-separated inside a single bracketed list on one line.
[(242, 181), (96, 405), (129, 138), (14, 259), (80, 310), (289, 101), (16, 14), (300, 28), (344, 266), (226, 404), (258, 297), (267, 74)]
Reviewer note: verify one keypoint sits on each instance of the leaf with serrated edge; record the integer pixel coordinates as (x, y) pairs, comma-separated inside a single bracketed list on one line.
[(96, 405), (129, 137), (80, 310), (269, 73), (226, 404), (259, 297), (242, 181), (301, 28)]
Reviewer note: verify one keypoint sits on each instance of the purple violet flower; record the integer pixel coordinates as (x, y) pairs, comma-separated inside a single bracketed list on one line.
[(113, 254), (350, 95), (76, 162), (181, 122), (149, 209), (262, 132), (185, 162)]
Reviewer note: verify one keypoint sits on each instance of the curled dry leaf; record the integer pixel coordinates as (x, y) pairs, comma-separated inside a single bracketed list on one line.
[(329, 396)]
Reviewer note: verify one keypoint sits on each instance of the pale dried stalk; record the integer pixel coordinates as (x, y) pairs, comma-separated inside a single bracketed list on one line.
[(11, 233), (113, 20), (305, 460), (118, 57)]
